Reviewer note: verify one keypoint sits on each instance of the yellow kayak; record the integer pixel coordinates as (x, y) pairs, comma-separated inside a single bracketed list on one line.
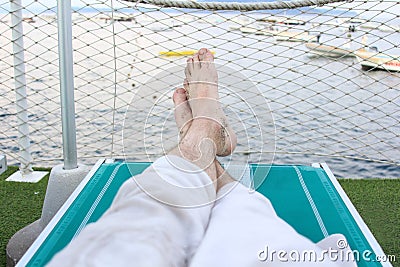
[(179, 53)]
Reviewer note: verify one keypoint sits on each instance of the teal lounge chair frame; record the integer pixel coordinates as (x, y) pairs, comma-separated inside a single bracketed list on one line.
[(307, 197)]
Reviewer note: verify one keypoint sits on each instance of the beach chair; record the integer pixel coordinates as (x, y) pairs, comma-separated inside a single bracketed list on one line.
[(307, 197)]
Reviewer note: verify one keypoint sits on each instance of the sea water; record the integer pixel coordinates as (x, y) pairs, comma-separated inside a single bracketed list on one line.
[(298, 108)]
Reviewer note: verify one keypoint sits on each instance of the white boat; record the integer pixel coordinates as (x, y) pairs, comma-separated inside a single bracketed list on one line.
[(295, 36), (370, 25), (341, 21), (257, 31), (389, 28), (282, 20), (329, 50), (380, 27), (47, 18), (377, 60), (28, 19), (242, 20), (289, 36)]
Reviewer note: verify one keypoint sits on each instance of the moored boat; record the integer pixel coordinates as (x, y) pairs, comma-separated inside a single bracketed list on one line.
[(380, 26), (289, 36), (257, 30), (282, 20), (295, 36), (376, 60), (329, 50)]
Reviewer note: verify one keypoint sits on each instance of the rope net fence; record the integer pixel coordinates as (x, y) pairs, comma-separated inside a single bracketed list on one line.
[(301, 81)]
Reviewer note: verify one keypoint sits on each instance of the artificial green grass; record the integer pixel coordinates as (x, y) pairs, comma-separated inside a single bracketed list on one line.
[(20, 205), (377, 201)]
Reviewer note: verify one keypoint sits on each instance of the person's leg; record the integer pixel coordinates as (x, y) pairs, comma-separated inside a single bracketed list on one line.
[(210, 133), (158, 218), (243, 224), (244, 230), (201, 87), (184, 118)]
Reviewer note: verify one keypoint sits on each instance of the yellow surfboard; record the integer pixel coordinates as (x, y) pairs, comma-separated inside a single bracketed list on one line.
[(179, 53)]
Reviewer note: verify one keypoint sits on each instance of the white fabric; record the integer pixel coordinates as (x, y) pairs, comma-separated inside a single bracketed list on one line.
[(173, 222), (244, 230), (138, 230), (338, 242)]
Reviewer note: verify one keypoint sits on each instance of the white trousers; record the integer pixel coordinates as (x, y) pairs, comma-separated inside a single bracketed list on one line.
[(171, 215)]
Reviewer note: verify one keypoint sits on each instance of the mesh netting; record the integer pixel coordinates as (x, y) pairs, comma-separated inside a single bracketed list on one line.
[(332, 96)]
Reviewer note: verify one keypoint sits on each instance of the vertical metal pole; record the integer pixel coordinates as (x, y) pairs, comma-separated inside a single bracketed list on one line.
[(67, 83), (20, 86)]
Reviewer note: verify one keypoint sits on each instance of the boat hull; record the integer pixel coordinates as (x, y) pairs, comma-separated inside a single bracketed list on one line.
[(287, 36), (295, 37), (379, 61), (329, 51)]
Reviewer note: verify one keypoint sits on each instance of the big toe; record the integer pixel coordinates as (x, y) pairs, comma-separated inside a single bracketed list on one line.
[(182, 112), (206, 55), (179, 96)]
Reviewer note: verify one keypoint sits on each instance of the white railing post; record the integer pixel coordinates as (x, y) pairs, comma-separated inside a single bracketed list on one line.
[(20, 87), (25, 173), (64, 178), (67, 84)]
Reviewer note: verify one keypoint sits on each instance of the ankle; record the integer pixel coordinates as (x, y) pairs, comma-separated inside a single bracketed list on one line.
[(205, 126)]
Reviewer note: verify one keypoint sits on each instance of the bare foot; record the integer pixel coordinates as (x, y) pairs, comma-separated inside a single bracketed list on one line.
[(201, 85), (183, 118)]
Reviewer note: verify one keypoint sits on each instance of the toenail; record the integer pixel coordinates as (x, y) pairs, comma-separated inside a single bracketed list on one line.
[(180, 91)]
